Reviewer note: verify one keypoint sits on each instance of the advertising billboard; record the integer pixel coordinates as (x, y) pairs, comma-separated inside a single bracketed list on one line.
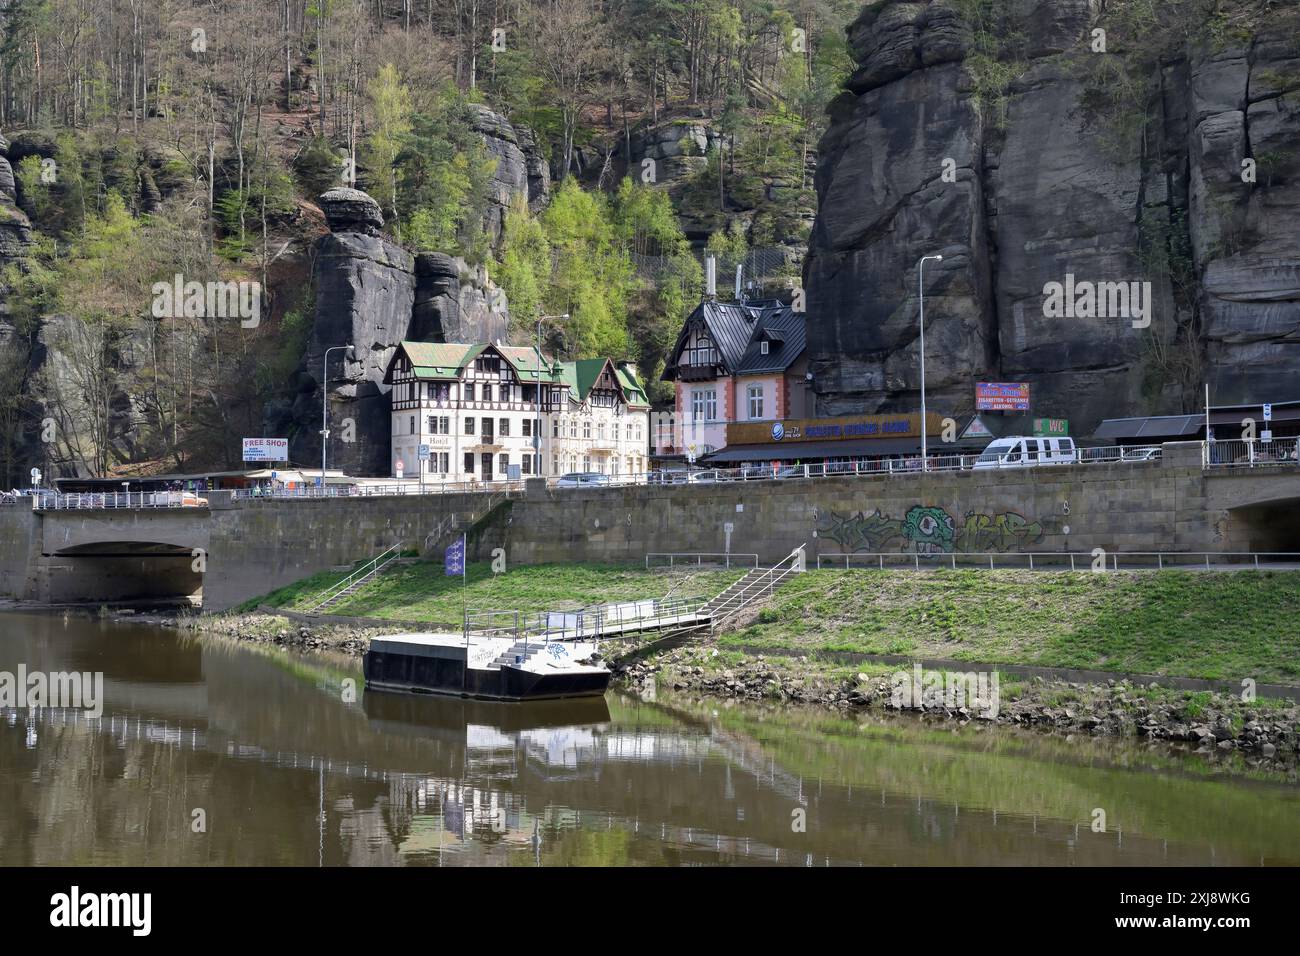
[(266, 449), (1002, 396)]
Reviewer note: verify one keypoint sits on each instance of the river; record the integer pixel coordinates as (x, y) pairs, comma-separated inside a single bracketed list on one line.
[(210, 752)]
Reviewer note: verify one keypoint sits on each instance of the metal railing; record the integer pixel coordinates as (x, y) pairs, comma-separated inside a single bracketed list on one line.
[(678, 559), (589, 623), (371, 567), (379, 490), (1250, 453), (55, 501), (754, 585), (1098, 560)]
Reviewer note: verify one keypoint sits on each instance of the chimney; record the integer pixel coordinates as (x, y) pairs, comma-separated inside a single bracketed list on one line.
[(711, 277), (740, 269)]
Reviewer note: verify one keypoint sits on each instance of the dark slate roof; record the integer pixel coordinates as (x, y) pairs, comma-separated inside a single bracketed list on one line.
[(1156, 426), (784, 330), (733, 327)]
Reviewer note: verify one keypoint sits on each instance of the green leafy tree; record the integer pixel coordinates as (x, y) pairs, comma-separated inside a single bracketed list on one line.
[(390, 101)]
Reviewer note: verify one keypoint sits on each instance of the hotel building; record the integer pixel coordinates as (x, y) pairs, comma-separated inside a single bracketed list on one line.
[(492, 413)]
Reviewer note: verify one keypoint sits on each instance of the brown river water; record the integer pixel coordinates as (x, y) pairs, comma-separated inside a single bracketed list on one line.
[(209, 752)]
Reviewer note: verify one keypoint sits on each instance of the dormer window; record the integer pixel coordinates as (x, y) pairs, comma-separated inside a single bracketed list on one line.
[(763, 347)]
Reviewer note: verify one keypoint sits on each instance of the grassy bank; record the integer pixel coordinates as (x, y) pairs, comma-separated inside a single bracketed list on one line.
[(421, 592), (1224, 625)]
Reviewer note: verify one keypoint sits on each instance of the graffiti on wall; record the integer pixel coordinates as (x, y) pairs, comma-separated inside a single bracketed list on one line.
[(926, 529)]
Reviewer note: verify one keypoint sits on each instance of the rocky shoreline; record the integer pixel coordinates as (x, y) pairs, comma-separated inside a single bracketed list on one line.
[(1263, 730), (280, 631)]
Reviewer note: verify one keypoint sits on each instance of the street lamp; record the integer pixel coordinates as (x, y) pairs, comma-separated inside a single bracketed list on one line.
[(324, 408), (920, 283), (537, 431)]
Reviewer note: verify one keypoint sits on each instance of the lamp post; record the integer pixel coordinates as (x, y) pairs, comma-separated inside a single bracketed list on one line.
[(537, 430), (920, 282), (324, 408)]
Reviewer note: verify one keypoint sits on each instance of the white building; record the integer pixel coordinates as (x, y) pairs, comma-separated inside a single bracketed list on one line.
[(488, 413)]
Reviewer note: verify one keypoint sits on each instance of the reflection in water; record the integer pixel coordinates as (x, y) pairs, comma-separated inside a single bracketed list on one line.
[(287, 771)]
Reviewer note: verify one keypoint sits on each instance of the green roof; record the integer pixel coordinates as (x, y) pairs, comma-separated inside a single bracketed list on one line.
[(439, 359), (447, 360), (632, 385)]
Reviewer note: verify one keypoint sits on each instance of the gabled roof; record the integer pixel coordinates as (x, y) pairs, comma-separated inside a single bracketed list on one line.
[(524, 360), (632, 385), (735, 328), (434, 360), (448, 360), (588, 373)]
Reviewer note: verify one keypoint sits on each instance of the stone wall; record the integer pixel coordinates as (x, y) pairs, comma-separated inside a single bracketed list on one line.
[(257, 546)]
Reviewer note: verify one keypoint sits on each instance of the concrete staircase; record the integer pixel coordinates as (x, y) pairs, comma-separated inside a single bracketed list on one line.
[(355, 581), (523, 649), (754, 586), (748, 581)]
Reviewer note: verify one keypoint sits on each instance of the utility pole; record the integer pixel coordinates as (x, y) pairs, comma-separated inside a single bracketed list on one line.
[(920, 282)]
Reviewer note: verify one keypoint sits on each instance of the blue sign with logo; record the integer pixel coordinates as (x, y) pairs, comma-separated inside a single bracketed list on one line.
[(453, 562), (778, 431)]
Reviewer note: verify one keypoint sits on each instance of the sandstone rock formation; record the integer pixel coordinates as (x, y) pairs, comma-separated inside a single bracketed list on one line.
[(923, 157), (371, 294), (520, 170), (15, 228)]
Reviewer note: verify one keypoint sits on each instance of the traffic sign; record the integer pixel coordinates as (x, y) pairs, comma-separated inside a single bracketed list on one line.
[(400, 467), (1268, 412), (424, 453)]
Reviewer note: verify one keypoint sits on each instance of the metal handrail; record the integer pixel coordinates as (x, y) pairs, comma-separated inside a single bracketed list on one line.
[(371, 566), (766, 582), (88, 500), (699, 557), (1110, 559)]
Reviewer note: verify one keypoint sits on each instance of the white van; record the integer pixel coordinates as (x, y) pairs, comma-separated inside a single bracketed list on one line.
[(1027, 453)]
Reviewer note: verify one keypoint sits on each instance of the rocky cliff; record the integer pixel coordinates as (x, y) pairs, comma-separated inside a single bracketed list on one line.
[(371, 294), (1024, 147)]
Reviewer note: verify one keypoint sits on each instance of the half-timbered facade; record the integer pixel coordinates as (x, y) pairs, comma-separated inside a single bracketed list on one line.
[(733, 362), (495, 413)]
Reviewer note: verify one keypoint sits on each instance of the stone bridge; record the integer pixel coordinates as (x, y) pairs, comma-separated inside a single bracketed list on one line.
[(237, 550)]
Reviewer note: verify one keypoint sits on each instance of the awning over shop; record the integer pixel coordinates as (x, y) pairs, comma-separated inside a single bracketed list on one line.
[(1153, 427), (817, 450)]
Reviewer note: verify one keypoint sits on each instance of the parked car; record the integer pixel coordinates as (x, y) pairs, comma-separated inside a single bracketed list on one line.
[(582, 479), (708, 476), (1141, 454), (1025, 452), (667, 477)]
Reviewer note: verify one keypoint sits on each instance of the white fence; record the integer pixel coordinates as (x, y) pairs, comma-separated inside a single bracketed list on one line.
[(1249, 454), (697, 559), (1098, 560), (1280, 452), (52, 501)]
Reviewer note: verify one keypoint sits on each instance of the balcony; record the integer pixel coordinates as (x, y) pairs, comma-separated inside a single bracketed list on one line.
[(697, 373)]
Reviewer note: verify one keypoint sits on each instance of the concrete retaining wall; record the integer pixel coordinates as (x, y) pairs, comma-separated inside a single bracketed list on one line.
[(252, 547)]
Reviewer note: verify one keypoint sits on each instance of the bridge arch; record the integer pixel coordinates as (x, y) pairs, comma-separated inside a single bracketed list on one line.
[(1271, 524), (123, 571)]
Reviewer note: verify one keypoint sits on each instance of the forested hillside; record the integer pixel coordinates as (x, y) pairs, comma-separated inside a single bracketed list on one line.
[(525, 158)]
